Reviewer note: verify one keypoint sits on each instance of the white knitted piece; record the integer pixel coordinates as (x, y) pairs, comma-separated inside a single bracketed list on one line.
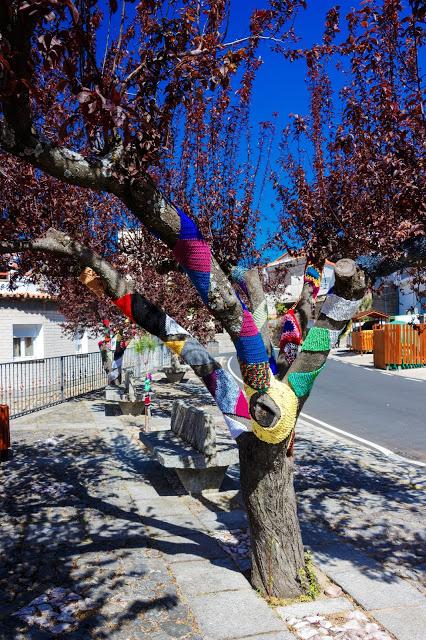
[(337, 308), (260, 316), (173, 328), (235, 428)]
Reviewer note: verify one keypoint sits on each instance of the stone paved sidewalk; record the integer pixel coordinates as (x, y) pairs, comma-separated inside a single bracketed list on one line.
[(68, 521), (89, 512)]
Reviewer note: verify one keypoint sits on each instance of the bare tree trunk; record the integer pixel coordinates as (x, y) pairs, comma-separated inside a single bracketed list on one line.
[(268, 493)]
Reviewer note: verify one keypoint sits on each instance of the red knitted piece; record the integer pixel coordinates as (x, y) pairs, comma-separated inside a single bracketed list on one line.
[(291, 331), (125, 304)]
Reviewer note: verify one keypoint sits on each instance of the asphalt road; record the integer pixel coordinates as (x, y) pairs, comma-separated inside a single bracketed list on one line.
[(389, 411)]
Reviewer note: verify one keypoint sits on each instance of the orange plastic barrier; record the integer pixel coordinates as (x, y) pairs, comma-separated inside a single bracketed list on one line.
[(362, 341), (399, 345)]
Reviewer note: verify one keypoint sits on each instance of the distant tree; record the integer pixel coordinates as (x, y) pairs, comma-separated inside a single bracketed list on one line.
[(354, 167)]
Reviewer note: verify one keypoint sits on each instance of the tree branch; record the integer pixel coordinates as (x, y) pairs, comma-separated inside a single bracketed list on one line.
[(338, 308), (413, 254), (299, 317), (101, 278), (250, 283)]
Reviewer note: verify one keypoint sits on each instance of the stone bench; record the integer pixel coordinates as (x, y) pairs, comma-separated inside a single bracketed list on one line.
[(198, 452)]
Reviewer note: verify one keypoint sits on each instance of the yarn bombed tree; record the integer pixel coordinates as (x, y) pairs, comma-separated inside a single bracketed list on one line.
[(263, 416), (103, 139)]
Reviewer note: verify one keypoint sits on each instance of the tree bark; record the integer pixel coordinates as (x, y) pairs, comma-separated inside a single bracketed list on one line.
[(276, 544)]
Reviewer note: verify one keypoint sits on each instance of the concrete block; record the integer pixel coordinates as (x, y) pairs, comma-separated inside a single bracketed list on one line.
[(194, 426), (113, 393), (201, 577), (112, 408), (234, 614), (317, 607), (197, 481), (129, 408), (408, 623), (376, 590)]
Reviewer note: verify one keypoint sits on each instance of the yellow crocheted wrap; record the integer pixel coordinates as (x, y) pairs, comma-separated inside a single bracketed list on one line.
[(175, 345), (286, 400)]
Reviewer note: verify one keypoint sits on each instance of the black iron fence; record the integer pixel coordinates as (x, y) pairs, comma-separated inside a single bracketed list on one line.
[(30, 385)]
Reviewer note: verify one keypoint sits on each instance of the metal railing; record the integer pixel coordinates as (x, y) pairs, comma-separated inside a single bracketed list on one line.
[(30, 385)]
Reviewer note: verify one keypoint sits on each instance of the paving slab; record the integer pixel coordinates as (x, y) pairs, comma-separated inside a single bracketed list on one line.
[(214, 520), (162, 506), (376, 590), (142, 491), (178, 524), (317, 607), (198, 578), (408, 623), (234, 614), (280, 635), (337, 558), (195, 546)]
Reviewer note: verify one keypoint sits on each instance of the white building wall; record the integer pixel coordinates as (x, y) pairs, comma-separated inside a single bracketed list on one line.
[(36, 312), (408, 299), (291, 289)]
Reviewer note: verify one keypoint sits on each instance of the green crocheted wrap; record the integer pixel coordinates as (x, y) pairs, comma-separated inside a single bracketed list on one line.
[(318, 339), (301, 381)]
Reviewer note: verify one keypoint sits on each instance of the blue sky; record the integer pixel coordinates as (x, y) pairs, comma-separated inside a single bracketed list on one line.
[(280, 85)]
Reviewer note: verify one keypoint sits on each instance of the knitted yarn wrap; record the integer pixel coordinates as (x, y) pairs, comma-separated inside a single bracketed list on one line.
[(334, 337), (257, 376), (286, 400), (260, 315), (318, 339), (301, 381), (291, 331), (313, 276), (222, 386), (337, 308)]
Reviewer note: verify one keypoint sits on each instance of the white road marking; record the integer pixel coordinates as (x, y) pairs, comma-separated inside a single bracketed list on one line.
[(347, 434), (372, 445), (373, 370)]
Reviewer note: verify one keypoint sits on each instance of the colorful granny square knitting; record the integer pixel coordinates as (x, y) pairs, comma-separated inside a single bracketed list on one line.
[(290, 351), (257, 376), (313, 276)]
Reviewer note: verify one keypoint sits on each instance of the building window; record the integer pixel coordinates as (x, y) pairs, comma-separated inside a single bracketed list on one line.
[(27, 341), (81, 342)]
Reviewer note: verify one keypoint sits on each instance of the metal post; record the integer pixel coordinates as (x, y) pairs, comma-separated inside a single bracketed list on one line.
[(62, 378)]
